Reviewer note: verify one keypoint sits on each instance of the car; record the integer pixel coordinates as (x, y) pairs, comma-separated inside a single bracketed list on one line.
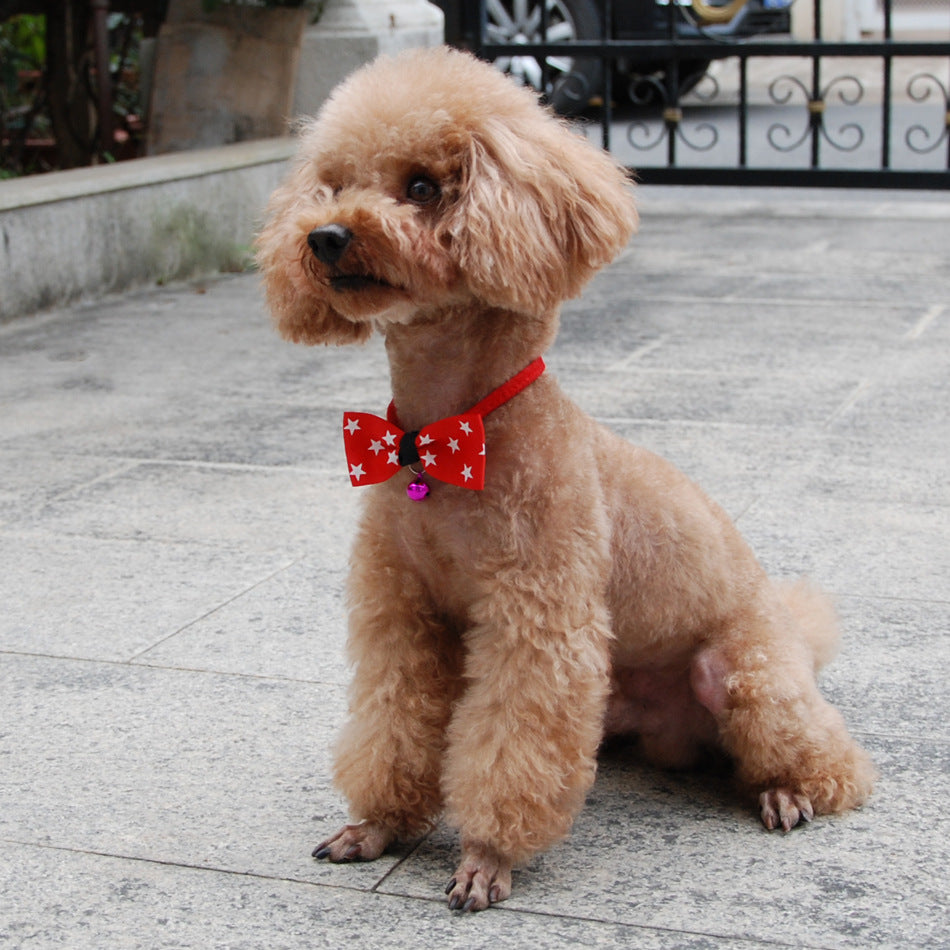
[(570, 83)]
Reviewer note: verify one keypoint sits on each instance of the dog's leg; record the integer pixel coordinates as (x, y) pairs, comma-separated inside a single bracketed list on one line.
[(523, 739), (791, 747), (389, 755)]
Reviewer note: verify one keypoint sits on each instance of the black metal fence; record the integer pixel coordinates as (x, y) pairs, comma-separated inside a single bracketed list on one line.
[(723, 94)]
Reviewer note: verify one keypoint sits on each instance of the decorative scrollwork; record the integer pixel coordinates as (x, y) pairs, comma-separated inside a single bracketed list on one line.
[(647, 140), (695, 145), (919, 89), (793, 82), (572, 88), (781, 97), (707, 89), (848, 90), (646, 90), (650, 91), (856, 96)]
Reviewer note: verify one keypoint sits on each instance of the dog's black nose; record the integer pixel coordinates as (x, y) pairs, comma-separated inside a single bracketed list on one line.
[(329, 242)]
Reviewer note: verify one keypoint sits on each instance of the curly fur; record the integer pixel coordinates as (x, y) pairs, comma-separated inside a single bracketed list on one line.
[(590, 589)]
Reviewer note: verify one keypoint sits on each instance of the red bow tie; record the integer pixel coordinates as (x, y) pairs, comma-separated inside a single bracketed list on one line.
[(452, 449)]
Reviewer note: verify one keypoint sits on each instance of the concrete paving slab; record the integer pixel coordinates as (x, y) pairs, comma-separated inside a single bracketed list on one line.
[(732, 395), (877, 549), (88, 598), (65, 899), (800, 338), (253, 507), (22, 495), (893, 672), (893, 464), (211, 429), (904, 400), (130, 395), (289, 626), (172, 766)]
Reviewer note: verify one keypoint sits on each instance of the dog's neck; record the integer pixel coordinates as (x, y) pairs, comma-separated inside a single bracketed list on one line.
[(442, 366)]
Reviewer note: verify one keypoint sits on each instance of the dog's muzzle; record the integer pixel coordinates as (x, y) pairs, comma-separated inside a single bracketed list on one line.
[(329, 242)]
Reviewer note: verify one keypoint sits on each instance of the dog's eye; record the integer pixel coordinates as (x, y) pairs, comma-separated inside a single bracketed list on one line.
[(421, 190)]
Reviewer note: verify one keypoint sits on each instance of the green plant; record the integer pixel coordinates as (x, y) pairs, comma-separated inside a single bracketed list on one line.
[(23, 43), (49, 90), (22, 95)]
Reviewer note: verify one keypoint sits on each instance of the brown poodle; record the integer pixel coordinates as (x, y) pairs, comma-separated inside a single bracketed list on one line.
[(588, 589)]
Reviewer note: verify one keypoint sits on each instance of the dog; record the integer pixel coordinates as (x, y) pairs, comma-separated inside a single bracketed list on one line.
[(556, 586)]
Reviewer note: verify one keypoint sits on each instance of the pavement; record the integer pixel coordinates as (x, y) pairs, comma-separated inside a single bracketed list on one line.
[(174, 523)]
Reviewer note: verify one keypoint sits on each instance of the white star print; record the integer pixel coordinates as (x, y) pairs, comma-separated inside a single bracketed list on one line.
[(454, 445), (356, 472), (466, 428), (376, 446), (428, 459), (425, 439), (390, 438), (466, 472), (352, 425), (393, 458)]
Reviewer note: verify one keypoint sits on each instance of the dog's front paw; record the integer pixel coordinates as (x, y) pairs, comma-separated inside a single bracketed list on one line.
[(483, 878), (363, 842), (785, 807)]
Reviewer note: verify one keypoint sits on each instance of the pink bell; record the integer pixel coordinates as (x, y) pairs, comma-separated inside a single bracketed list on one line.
[(417, 489)]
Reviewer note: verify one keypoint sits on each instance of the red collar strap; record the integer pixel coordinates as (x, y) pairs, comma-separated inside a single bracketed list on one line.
[(497, 397), (452, 450)]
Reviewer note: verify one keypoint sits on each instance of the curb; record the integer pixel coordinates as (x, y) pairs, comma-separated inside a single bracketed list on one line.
[(91, 231)]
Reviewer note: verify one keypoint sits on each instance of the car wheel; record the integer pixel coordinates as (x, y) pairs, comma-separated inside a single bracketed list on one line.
[(567, 82)]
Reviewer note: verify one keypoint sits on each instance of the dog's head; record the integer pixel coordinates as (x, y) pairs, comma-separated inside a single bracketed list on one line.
[(428, 181)]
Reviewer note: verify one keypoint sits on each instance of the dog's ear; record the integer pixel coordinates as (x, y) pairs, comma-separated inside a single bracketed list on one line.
[(540, 212), (284, 259)]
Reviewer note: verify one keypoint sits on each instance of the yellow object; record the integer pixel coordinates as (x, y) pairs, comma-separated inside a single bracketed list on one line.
[(710, 14)]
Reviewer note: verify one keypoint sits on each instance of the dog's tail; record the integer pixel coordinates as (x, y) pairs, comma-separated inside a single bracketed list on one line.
[(816, 617)]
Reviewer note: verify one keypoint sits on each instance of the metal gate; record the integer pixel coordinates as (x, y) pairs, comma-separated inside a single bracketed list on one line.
[(699, 94)]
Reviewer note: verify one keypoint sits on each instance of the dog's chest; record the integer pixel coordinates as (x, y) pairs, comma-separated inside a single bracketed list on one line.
[(437, 542)]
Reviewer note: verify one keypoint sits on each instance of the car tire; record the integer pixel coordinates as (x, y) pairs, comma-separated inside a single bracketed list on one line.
[(648, 84), (570, 82)]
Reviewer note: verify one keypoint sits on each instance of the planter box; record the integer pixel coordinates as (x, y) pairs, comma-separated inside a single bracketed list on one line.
[(222, 76)]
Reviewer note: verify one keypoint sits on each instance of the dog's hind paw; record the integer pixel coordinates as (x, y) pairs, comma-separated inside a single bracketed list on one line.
[(783, 806), (363, 842), (483, 878)]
